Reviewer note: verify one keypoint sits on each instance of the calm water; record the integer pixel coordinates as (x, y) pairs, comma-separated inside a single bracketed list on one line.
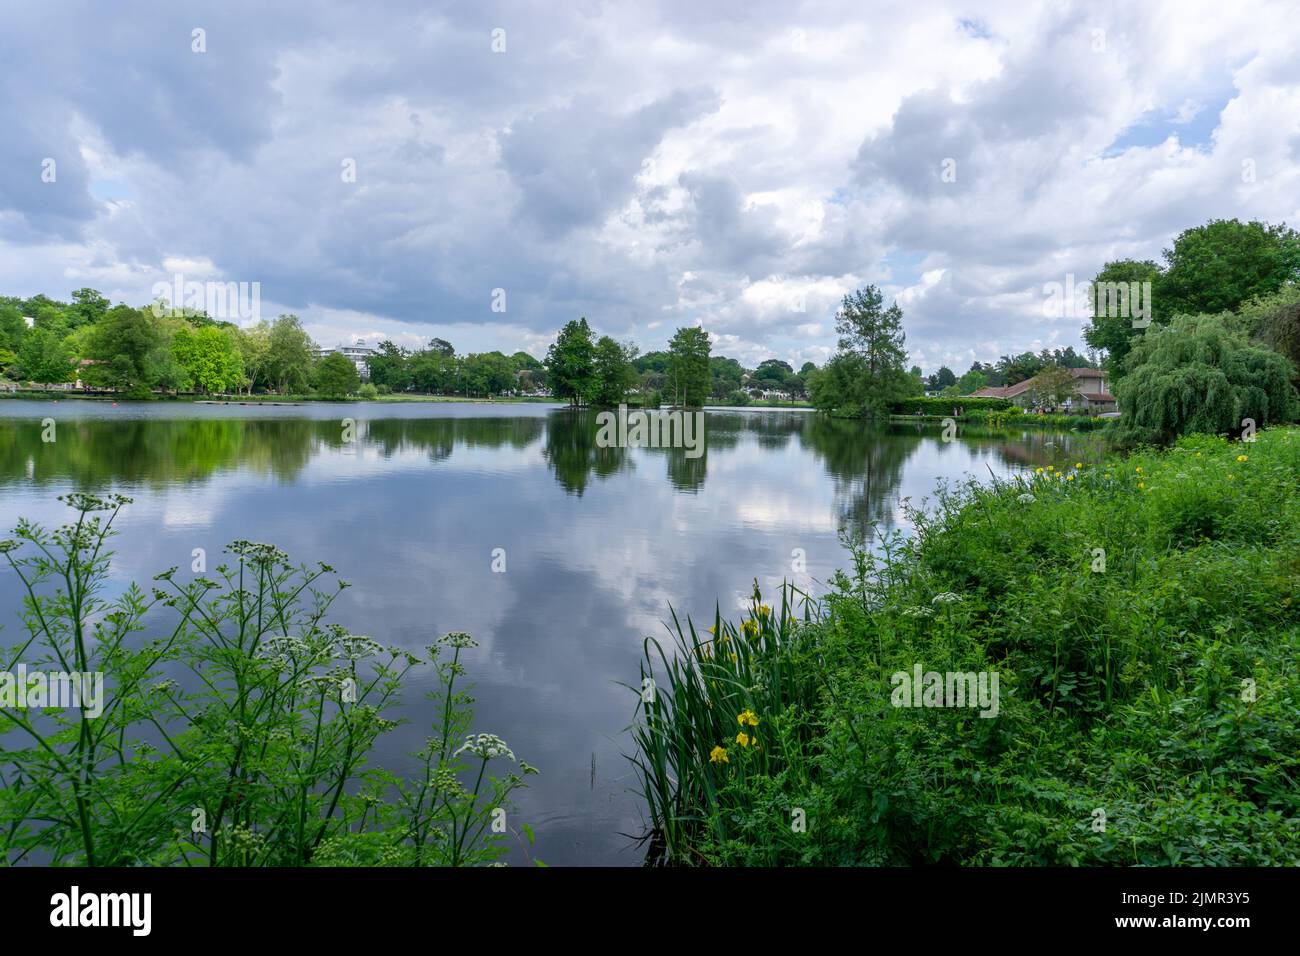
[(598, 542)]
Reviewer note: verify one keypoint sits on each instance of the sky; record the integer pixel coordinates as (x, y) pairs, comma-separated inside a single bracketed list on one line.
[(485, 172)]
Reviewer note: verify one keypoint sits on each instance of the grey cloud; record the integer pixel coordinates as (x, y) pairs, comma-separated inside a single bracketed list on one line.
[(575, 164)]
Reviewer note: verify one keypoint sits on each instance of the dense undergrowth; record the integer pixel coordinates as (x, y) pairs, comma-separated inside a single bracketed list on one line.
[(1142, 616)]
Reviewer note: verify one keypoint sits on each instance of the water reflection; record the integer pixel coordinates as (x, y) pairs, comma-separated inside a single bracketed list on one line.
[(865, 465)]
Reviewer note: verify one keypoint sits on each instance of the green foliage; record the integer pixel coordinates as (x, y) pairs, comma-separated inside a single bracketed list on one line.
[(335, 376), (614, 371), (571, 364), (868, 373), (287, 363), (1199, 374), (1225, 263), (688, 372), (43, 358), (948, 406), (1114, 334), (235, 723), (210, 357), (1160, 686)]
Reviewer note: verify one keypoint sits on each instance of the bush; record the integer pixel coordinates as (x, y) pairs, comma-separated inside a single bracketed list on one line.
[(368, 392), (948, 406)]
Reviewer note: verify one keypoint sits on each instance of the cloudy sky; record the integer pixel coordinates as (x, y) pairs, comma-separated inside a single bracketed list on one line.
[(381, 168)]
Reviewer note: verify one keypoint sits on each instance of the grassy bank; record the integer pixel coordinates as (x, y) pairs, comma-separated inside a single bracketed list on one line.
[(1141, 618)]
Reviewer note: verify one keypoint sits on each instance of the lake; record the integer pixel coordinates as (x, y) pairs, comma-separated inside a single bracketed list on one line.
[(597, 542)]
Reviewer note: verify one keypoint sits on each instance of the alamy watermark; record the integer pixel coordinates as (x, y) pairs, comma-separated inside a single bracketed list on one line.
[(1082, 300), (948, 689), (651, 429), (227, 301), (25, 689)]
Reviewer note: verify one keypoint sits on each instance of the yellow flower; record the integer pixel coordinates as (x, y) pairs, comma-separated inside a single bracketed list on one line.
[(764, 610), (719, 755), (1138, 469), (1142, 484), (1078, 464), (734, 658), (742, 738), (1038, 471), (1069, 477), (750, 628), (1242, 458), (747, 717)]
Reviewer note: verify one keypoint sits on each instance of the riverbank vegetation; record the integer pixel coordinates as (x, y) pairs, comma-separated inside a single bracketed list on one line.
[(1141, 615), (232, 725)]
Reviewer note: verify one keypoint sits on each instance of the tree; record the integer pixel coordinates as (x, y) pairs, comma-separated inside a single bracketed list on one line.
[(389, 367), (1198, 374), (335, 376), (43, 358), (442, 346), (972, 382), (868, 372), (87, 308), (725, 376), (1115, 333), (1052, 387), (210, 358), (254, 348), (288, 364), (614, 371), (122, 343), (570, 364), (1221, 265), (689, 366), (1275, 321)]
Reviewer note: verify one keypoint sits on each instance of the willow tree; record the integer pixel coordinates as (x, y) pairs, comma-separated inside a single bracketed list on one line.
[(1200, 374)]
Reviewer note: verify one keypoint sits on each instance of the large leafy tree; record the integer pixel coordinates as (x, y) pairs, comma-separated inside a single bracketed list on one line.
[(1114, 334), (335, 376), (122, 344), (390, 366), (688, 372), (614, 371), (1199, 374), (210, 357), (1221, 265), (288, 363), (43, 357), (571, 363)]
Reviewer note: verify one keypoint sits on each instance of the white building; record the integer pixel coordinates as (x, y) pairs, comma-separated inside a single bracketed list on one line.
[(358, 354)]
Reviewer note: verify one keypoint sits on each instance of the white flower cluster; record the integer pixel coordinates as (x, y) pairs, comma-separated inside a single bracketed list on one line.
[(946, 597), (1026, 498), (487, 746)]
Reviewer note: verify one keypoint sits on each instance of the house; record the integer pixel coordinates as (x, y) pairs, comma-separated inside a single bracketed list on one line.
[(1092, 397)]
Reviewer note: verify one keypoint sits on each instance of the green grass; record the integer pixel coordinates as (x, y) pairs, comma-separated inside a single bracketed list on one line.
[(1158, 691)]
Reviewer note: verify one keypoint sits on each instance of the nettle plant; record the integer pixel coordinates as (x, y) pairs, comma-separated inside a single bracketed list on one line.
[(235, 723)]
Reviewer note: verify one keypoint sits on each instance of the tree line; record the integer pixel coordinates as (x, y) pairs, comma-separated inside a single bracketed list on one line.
[(1219, 345)]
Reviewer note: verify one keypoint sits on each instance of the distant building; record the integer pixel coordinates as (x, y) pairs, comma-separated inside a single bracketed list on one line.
[(358, 354), (1091, 395)]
